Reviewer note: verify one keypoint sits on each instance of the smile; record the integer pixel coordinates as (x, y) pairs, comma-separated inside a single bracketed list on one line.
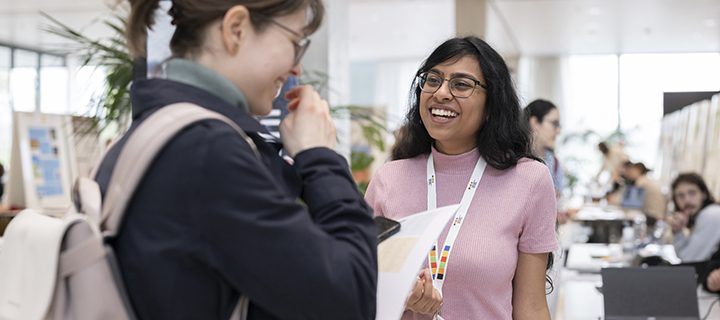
[(443, 113)]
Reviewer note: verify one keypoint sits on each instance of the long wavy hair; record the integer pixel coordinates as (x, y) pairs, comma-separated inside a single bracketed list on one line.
[(697, 180), (504, 138)]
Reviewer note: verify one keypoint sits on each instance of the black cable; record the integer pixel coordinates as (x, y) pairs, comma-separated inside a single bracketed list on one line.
[(707, 314)]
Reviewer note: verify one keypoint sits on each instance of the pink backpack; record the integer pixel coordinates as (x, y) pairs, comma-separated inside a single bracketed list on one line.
[(60, 267)]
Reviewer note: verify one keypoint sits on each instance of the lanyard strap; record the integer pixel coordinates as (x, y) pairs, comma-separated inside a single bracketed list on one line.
[(439, 262)]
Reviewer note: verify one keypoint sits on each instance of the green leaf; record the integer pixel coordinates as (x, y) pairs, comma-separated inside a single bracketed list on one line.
[(113, 107)]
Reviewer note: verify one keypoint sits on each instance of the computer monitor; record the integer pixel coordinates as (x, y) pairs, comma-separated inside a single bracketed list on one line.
[(662, 293), (633, 197)]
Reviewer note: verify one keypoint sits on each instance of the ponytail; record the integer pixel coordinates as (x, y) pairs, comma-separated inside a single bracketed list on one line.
[(191, 17), (142, 17)]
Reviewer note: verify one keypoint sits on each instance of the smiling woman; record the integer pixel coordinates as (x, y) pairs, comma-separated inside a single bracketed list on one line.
[(218, 217), (465, 131)]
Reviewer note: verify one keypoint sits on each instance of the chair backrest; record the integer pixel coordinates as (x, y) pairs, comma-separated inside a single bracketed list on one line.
[(60, 267)]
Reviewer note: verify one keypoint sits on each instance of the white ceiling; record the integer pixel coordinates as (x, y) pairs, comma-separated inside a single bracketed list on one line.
[(21, 23), (551, 27), (379, 32), (398, 28)]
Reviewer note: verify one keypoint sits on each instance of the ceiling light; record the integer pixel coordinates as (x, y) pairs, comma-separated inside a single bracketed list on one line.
[(594, 11)]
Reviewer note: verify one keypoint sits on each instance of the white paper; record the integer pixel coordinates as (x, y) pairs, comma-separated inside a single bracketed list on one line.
[(591, 257), (401, 257)]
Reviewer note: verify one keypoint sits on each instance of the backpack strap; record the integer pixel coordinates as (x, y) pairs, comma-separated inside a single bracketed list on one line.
[(140, 150)]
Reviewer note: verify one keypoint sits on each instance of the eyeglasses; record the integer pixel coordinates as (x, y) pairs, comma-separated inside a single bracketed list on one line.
[(555, 124), (460, 87), (300, 45)]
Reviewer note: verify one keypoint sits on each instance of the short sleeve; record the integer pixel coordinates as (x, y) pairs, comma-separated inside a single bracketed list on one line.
[(538, 232)]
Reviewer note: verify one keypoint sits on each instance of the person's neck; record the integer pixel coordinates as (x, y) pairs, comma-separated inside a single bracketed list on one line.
[(453, 149), (539, 151)]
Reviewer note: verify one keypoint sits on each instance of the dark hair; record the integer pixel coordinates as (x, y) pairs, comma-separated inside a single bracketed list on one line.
[(603, 148), (696, 179), (505, 137), (538, 109), (641, 166), (191, 17)]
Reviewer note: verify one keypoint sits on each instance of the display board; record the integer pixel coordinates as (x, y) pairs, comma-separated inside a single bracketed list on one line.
[(41, 161), (690, 142)]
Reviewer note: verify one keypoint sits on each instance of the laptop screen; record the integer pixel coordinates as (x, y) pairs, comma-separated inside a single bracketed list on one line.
[(659, 292)]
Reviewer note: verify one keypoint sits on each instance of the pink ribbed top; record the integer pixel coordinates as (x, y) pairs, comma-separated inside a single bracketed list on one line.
[(513, 211)]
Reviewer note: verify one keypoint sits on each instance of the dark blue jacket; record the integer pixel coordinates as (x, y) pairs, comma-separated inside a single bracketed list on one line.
[(209, 222)]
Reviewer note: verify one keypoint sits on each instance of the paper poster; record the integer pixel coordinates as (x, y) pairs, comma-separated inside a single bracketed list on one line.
[(45, 161), (41, 161)]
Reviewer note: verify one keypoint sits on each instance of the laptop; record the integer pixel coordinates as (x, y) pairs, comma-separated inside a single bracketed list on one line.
[(662, 293)]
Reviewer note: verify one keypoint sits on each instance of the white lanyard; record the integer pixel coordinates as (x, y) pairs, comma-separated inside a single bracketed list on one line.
[(439, 262)]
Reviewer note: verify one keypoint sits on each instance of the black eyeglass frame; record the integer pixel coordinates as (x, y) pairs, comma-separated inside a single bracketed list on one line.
[(301, 45), (422, 77)]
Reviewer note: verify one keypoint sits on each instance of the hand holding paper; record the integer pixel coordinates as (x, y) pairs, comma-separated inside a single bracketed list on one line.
[(424, 298), (402, 255)]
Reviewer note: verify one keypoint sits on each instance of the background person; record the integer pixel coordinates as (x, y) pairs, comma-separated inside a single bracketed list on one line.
[(654, 204), (696, 221)]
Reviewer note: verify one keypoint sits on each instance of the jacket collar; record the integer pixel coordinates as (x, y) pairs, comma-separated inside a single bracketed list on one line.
[(151, 94), (197, 75)]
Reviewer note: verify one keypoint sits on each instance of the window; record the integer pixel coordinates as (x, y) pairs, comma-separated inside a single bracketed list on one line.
[(644, 78), (54, 89), (5, 109), (23, 80)]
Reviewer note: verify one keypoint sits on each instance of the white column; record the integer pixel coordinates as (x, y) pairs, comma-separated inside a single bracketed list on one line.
[(470, 17), (329, 55), (541, 78)]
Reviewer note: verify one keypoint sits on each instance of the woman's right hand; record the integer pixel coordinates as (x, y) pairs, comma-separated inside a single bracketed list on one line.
[(424, 298), (308, 125), (713, 280)]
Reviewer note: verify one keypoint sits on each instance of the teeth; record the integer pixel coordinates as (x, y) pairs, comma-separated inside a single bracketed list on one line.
[(443, 113)]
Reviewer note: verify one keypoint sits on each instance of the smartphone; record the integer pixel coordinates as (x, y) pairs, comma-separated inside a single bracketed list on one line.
[(386, 228)]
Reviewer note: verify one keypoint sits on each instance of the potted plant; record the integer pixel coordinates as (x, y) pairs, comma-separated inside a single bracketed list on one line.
[(112, 109)]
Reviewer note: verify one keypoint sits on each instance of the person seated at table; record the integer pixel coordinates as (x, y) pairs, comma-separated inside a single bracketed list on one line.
[(712, 282), (613, 158), (654, 204), (696, 222)]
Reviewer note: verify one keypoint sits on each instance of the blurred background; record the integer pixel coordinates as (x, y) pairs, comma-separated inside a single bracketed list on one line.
[(608, 65), (640, 76)]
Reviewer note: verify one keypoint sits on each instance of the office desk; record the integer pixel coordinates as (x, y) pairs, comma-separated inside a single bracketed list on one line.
[(591, 257), (607, 221)]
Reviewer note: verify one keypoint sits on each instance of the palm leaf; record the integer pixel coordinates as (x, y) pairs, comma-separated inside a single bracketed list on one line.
[(112, 107)]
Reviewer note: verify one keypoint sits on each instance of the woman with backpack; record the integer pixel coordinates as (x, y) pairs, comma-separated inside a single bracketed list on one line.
[(212, 220)]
